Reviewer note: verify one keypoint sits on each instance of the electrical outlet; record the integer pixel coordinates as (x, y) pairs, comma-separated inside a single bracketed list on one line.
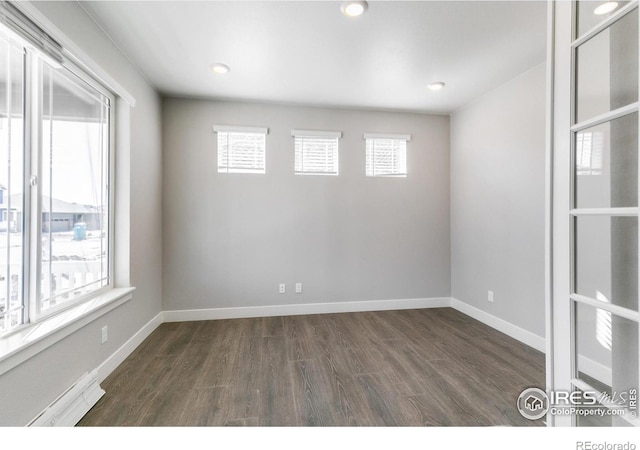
[(105, 334), (490, 297), (282, 288), (298, 288)]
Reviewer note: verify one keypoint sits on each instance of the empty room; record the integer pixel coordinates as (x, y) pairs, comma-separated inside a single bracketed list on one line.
[(319, 213)]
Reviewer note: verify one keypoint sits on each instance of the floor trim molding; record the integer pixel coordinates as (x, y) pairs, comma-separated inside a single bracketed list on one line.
[(514, 331), (113, 361), (304, 308), (596, 370)]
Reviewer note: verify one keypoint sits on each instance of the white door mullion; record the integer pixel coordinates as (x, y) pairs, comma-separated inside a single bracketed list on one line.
[(609, 212), (616, 310), (613, 18), (560, 204)]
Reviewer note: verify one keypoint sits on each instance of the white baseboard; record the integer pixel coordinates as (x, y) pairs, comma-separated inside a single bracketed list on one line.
[(522, 335), (595, 370), (308, 308), (110, 364), (590, 367)]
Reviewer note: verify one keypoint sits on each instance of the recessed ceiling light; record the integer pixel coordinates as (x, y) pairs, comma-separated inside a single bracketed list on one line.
[(353, 9), (436, 86), (220, 68), (605, 8)]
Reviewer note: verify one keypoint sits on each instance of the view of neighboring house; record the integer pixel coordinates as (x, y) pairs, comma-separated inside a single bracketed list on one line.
[(57, 215), (9, 219)]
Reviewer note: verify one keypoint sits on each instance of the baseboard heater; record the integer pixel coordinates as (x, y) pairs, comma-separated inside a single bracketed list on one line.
[(72, 404)]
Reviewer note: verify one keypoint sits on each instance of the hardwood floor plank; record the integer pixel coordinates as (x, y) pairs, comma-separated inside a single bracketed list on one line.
[(345, 330), (218, 332), (246, 398), (425, 412), (166, 408), (275, 390), (442, 393), (313, 406), (379, 325), (494, 406), (308, 411), (406, 365), (272, 326), (383, 406), (219, 368), (248, 422), (177, 339), (207, 406), (341, 393), (300, 333)]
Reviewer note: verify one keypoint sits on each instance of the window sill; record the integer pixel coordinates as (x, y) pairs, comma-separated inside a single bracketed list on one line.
[(27, 342)]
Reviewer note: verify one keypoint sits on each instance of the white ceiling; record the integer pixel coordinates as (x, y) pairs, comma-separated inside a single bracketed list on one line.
[(308, 52)]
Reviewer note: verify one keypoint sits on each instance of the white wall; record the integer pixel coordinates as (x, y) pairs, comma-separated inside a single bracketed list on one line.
[(233, 237), (497, 201), (28, 388)]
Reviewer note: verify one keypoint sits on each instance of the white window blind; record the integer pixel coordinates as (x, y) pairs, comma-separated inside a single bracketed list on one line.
[(386, 155), (316, 152), (241, 149), (29, 32)]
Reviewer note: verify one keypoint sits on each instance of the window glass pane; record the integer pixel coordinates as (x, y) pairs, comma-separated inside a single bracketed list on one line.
[(74, 196), (607, 69), (11, 184), (607, 259), (606, 159), (592, 13), (607, 354), (241, 152), (316, 155), (386, 157)]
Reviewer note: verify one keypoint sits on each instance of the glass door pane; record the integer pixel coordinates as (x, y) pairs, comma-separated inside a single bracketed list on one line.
[(607, 69), (606, 172), (592, 12), (607, 360), (606, 265)]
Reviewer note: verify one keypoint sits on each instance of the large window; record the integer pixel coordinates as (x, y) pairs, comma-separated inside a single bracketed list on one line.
[(55, 147), (316, 152), (386, 155), (241, 149)]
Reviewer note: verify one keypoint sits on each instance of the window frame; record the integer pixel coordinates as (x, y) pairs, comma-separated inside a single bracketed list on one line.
[(32, 147), (406, 138), (315, 134), (26, 341), (264, 131), (33, 305)]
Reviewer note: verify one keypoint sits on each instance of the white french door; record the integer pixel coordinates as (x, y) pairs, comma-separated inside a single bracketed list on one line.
[(593, 285)]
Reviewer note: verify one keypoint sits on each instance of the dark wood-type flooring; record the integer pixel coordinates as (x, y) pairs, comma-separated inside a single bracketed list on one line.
[(429, 367)]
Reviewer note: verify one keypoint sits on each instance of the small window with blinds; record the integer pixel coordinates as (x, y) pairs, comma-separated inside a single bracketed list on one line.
[(386, 155), (241, 149), (316, 152)]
